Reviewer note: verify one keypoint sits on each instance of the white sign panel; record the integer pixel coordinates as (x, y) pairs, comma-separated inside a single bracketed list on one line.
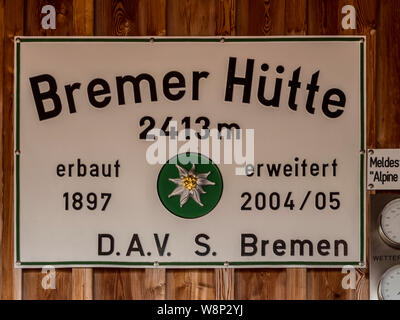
[(189, 152), (383, 169)]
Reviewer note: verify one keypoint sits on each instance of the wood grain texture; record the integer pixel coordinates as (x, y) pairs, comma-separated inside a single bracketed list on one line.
[(130, 18), (387, 76), (264, 284), (72, 18), (116, 18), (226, 17), (155, 284), (191, 18), (83, 17), (16, 280), (326, 284), (325, 18), (296, 284), (152, 18), (195, 18), (367, 14), (118, 284), (13, 25), (260, 18), (33, 18), (154, 24), (82, 284), (226, 26), (296, 24), (83, 25), (225, 284), (191, 284), (2, 27), (32, 279), (388, 72), (32, 285), (296, 17), (363, 275)]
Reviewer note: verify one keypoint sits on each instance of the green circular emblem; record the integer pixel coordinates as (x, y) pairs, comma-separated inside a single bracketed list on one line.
[(189, 185)]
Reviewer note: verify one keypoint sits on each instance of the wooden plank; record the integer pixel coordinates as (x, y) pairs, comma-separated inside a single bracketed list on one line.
[(296, 17), (116, 18), (152, 18), (226, 26), (32, 279), (366, 14), (82, 284), (199, 18), (155, 284), (325, 18), (225, 284), (191, 18), (118, 284), (257, 18), (388, 71), (296, 284), (326, 284), (296, 24), (32, 285), (83, 17), (362, 288), (260, 17), (83, 25), (387, 75), (190, 284), (226, 18), (33, 18), (13, 25), (2, 31), (366, 24), (130, 18), (102, 21), (371, 88), (263, 284)]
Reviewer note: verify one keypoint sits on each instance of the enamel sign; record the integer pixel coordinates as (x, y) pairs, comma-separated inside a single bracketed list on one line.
[(383, 169), (189, 152)]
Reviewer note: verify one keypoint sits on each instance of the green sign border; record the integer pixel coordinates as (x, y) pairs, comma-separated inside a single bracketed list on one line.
[(360, 39)]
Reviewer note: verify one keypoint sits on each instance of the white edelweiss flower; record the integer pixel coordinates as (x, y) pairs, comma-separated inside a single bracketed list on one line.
[(189, 185)]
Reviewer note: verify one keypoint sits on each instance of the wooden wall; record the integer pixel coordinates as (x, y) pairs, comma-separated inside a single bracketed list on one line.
[(378, 20)]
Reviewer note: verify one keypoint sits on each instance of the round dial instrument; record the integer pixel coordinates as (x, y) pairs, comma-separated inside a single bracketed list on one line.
[(389, 285), (389, 224)]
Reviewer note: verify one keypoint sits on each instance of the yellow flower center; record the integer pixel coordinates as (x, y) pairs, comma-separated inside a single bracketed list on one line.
[(189, 182)]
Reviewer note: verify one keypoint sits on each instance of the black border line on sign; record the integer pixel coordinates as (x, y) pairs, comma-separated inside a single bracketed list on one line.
[(19, 263)]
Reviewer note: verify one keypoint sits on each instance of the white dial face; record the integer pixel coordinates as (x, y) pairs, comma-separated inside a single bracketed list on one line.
[(390, 222), (389, 286)]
